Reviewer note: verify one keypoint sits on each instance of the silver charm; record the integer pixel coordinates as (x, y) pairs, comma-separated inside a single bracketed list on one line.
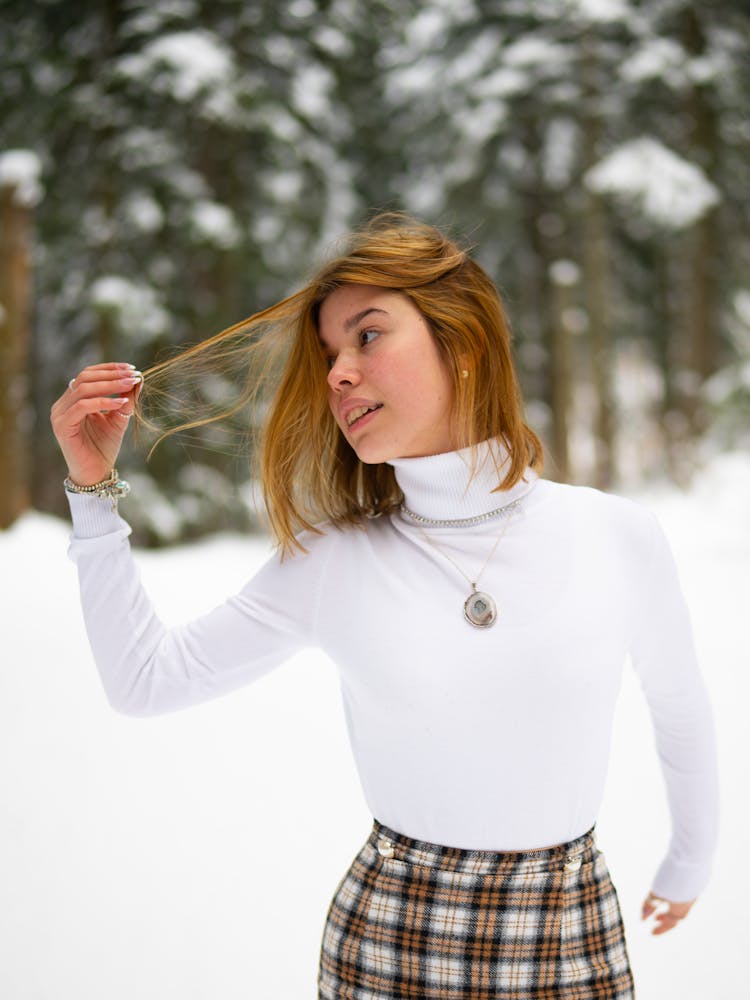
[(480, 609)]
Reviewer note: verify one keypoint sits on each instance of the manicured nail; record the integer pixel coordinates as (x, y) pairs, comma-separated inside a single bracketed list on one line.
[(125, 364)]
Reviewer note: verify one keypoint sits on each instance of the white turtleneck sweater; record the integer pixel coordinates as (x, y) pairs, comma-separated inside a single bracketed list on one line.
[(490, 739)]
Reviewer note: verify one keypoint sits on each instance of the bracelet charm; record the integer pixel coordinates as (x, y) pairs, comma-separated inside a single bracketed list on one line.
[(112, 488)]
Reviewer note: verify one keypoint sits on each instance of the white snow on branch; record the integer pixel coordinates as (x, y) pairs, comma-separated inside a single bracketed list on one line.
[(136, 307), (215, 224), (144, 212), (21, 169), (657, 58), (666, 189), (311, 90), (182, 64), (601, 10), (535, 51)]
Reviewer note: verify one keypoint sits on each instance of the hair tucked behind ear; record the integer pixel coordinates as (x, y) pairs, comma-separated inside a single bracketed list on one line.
[(309, 471)]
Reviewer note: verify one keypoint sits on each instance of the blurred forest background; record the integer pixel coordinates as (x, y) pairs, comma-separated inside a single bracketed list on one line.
[(169, 167)]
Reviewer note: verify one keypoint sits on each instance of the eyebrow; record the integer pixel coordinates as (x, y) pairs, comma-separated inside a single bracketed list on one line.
[(350, 323)]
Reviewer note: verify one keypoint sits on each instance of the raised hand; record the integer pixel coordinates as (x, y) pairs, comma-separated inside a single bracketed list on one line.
[(89, 420)]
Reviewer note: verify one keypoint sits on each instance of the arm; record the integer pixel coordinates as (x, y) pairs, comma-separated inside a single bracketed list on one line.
[(147, 668), (663, 656)]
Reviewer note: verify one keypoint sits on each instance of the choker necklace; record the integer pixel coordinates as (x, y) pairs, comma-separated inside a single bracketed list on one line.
[(480, 609), (461, 522)]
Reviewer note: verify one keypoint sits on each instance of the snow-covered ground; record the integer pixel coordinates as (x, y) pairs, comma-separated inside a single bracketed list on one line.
[(193, 856)]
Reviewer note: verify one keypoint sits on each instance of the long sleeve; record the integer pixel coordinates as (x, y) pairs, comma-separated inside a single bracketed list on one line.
[(664, 658), (147, 668)]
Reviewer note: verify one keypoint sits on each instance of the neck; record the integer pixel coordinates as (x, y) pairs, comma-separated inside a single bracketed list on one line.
[(442, 487)]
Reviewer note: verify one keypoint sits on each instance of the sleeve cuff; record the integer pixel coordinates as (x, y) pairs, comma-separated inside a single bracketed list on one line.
[(93, 516), (680, 882)]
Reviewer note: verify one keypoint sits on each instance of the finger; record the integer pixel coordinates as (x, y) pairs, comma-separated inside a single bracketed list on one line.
[(68, 422), (93, 370), (650, 904), (665, 922), (133, 394), (118, 383)]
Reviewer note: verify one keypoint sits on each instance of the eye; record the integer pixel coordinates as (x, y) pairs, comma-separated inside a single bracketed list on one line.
[(367, 336)]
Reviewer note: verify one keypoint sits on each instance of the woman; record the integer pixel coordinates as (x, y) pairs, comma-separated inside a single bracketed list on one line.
[(479, 615)]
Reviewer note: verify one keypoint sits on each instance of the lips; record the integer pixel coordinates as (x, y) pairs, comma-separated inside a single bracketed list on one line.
[(353, 416)]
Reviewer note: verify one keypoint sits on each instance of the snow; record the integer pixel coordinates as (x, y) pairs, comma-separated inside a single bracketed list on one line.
[(666, 60), (302, 9), (535, 52), (667, 189), (333, 41), (182, 63), (140, 148), (215, 224), (601, 10), (194, 855), (560, 152), (565, 273), (136, 306), (311, 89), (284, 186), (21, 169), (742, 305), (502, 82), (144, 212), (724, 383), (656, 58)]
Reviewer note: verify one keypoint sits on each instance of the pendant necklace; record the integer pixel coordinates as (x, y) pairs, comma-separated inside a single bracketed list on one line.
[(480, 609)]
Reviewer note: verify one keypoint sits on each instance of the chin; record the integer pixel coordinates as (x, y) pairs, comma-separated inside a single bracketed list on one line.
[(370, 453), (374, 456)]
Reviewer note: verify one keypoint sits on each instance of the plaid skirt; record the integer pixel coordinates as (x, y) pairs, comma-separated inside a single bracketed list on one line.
[(419, 920)]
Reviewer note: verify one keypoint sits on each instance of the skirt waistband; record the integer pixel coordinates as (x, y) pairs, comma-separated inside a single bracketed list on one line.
[(393, 845)]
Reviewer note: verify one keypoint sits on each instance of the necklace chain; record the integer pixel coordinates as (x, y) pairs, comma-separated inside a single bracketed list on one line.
[(510, 509), (463, 522)]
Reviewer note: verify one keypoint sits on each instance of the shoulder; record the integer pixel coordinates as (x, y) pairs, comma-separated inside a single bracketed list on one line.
[(628, 523), (330, 541)]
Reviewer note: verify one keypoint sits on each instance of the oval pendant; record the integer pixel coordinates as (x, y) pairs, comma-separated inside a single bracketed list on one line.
[(480, 609)]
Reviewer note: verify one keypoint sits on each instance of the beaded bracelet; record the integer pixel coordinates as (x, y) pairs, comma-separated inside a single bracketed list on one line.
[(112, 488)]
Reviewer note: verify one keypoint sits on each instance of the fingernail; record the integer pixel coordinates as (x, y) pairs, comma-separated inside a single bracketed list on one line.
[(125, 364)]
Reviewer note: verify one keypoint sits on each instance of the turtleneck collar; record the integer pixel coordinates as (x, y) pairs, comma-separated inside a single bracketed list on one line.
[(437, 486)]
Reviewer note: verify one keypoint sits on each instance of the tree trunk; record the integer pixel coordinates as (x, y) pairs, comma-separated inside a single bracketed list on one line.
[(597, 288), (561, 368), (702, 247), (598, 297), (15, 312)]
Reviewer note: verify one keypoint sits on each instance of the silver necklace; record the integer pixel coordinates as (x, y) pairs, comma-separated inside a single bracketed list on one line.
[(461, 522), (480, 608)]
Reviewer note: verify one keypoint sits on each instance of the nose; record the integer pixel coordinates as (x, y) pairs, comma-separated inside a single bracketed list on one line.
[(344, 372)]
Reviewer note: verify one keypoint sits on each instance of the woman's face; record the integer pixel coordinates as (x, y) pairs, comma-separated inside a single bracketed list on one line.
[(388, 387)]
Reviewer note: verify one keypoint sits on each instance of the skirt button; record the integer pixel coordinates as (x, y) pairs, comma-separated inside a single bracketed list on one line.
[(385, 848), (572, 864)]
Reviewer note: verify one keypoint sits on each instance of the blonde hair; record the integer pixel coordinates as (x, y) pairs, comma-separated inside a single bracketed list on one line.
[(309, 471)]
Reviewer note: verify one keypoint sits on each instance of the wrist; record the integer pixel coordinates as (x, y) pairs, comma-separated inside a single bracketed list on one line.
[(112, 488)]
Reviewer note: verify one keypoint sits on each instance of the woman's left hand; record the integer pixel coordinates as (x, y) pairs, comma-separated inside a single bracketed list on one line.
[(668, 914)]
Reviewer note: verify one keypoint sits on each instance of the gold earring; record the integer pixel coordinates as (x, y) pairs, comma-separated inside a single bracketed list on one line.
[(464, 373)]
